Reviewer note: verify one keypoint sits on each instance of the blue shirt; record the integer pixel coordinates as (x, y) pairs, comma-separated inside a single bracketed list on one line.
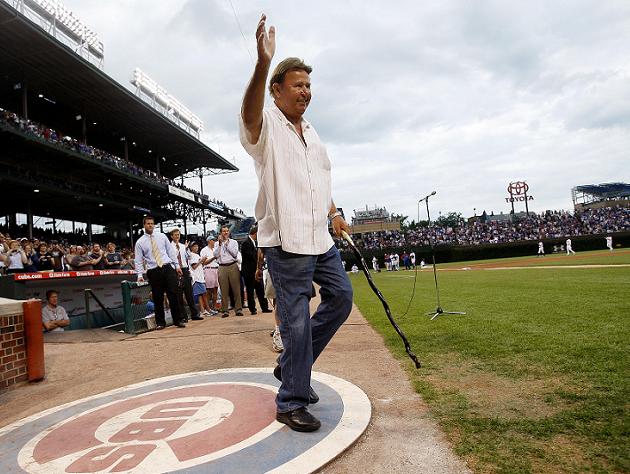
[(144, 253)]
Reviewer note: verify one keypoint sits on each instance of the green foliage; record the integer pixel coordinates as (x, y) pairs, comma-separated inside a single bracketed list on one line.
[(452, 219), (535, 377)]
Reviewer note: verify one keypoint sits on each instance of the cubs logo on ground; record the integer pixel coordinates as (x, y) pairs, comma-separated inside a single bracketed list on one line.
[(215, 421)]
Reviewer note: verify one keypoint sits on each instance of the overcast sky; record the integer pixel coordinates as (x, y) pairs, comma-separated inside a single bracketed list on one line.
[(409, 97)]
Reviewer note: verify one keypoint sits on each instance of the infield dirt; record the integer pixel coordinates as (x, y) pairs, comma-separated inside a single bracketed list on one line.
[(402, 436)]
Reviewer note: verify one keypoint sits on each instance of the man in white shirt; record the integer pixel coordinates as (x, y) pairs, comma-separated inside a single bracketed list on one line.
[(412, 259), (184, 289), (154, 251), (293, 208), (609, 242), (54, 317), (229, 275)]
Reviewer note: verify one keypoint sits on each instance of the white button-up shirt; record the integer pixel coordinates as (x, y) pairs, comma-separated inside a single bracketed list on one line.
[(294, 194), (144, 252), (183, 253)]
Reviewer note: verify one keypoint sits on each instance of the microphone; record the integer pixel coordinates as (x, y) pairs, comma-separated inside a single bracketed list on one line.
[(428, 196)]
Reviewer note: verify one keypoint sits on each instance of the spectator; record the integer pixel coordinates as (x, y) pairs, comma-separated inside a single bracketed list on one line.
[(44, 259), (249, 251), (15, 258), (112, 258), (198, 280), (57, 254), (81, 261), (97, 255), (4, 249), (211, 273), (127, 260), (155, 256), (31, 258), (54, 317), (229, 276), (185, 287)]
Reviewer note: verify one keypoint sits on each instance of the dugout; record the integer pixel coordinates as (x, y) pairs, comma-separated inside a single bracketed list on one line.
[(101, 306)]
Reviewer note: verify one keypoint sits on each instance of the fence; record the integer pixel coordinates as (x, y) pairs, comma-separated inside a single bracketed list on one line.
[(138, 307)]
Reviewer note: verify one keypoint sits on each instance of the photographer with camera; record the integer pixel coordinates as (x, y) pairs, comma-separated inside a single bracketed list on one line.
[(15, 258)]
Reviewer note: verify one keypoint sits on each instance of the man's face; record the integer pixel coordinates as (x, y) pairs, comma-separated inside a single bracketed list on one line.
[(96, 248), (225, 233), (111, 248), (149, 225), (52, 299), (176, 236), (211, 243), (294, 94)]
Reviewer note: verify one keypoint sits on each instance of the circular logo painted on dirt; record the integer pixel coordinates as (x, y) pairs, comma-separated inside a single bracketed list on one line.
[(215, 421)]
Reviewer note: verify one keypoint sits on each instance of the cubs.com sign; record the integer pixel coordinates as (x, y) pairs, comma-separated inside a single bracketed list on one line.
[(215, 421)]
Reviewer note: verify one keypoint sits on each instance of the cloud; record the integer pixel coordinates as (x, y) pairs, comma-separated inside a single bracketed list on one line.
[(409, 97)]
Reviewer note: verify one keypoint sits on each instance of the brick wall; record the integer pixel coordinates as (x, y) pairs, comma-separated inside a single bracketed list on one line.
[(12, 349)]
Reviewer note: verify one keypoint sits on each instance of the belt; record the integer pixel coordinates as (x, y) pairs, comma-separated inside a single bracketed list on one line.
[(226, 264), (163, 267)]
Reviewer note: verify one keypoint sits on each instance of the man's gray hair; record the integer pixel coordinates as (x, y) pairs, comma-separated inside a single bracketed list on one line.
[(285, 66)]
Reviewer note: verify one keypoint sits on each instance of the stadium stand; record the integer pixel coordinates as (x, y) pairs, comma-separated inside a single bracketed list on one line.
[(78, 146), (592, 196), (551, 224)]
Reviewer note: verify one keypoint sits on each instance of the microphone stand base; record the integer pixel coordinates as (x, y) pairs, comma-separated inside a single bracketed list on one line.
[(438, 311)]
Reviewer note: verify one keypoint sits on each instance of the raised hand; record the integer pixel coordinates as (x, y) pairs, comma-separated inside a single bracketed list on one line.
[(266, 41)]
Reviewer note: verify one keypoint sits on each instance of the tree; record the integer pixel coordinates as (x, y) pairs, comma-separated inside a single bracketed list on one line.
[(452, 219)]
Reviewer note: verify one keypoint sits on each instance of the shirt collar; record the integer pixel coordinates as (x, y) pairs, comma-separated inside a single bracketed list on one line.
[(305, 123)]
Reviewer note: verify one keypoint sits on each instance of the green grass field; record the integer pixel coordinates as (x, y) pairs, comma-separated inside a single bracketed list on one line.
[(536, 376)]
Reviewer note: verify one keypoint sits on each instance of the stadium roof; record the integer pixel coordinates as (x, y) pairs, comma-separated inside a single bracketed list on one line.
[(73, 86), (606, 190)]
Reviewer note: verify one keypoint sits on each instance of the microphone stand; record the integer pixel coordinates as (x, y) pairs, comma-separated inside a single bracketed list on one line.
[(438, 309)]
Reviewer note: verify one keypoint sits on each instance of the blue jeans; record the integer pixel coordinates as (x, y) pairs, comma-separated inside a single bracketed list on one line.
[(304, 338)]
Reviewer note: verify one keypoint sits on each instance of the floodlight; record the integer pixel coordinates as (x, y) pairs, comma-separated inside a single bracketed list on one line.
[(78, 117), (35, 190)]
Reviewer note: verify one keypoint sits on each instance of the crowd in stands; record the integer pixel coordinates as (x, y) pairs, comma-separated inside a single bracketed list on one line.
[(23, 255), (548, 225), (55, 137)]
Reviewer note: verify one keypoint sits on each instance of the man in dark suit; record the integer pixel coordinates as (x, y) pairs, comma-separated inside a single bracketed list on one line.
[(249, 251)]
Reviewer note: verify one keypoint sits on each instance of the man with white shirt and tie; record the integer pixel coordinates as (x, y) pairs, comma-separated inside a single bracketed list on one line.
[(184, 289), (293, 208), (229, 275), (156, 257)]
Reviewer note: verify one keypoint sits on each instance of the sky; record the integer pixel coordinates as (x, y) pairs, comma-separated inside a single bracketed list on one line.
[(409, 97)]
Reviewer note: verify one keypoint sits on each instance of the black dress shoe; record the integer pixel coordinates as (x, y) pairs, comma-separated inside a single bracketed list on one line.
[(179, 325), (299, 420), (225, 315), (267, 311), (197, 318), (159, 327), (312, 395), (253, 312)]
